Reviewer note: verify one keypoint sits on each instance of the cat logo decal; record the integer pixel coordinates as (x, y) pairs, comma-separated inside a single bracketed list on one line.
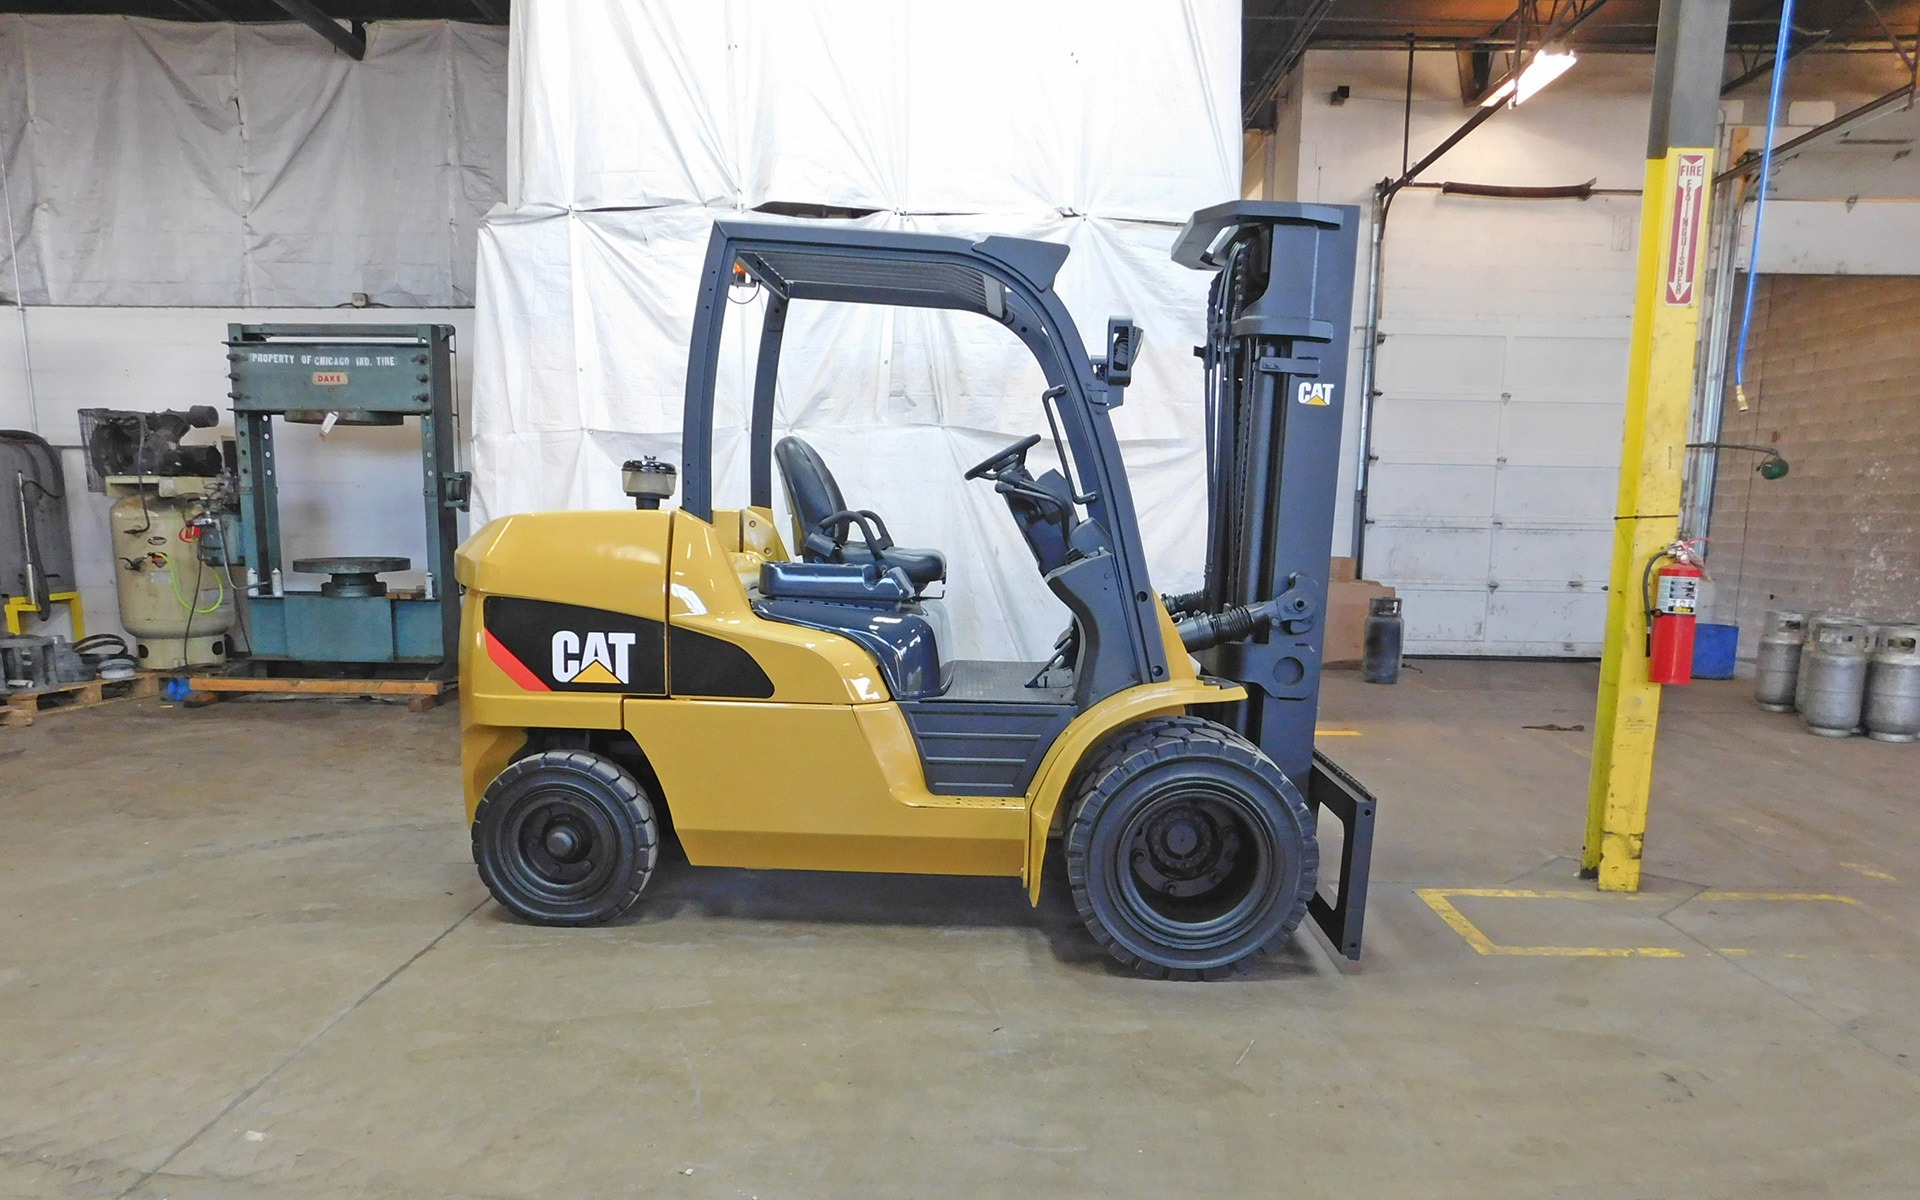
[(593, 657), (543, 646)]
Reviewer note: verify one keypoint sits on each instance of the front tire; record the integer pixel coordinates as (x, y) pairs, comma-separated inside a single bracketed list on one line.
[(565, 837), (1189, 852)]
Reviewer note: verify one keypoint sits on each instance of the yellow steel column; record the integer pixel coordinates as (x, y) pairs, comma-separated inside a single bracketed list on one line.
[(1666, 316), (1666, 321)]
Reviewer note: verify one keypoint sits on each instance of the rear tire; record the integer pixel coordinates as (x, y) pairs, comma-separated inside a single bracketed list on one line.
[(565, 837), (1189, 852)]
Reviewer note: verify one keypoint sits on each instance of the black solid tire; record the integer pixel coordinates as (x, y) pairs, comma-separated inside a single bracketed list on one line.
[(593, 810), (1177, 767)]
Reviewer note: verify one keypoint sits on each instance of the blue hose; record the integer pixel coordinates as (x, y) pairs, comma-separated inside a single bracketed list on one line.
[(1760, 201)]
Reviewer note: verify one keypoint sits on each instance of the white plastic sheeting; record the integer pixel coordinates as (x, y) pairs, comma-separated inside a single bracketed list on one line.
[(174, 163), (633, 126), (1118, 108)]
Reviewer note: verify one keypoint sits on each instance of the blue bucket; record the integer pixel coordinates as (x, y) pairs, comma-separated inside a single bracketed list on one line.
[(1714, 647)]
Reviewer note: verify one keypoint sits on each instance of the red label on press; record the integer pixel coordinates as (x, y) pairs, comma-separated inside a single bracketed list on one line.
[(1683, 245)]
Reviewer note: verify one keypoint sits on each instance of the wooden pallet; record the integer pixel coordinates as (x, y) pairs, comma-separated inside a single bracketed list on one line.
[(22, 707), (422, 694)]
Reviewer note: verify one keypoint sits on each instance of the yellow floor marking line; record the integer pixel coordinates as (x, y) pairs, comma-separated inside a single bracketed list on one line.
[(1828, 897), (1351, 733), (1438, 899), (1870, 872)]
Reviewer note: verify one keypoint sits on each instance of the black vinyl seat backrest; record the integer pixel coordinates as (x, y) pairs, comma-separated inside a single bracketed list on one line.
[(812, 492)]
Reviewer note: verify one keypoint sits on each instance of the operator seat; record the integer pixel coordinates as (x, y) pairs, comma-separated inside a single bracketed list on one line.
[(813, 495)]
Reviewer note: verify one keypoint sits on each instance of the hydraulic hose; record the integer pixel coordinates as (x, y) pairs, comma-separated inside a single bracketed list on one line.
[(1184, 602), (1233, 624)]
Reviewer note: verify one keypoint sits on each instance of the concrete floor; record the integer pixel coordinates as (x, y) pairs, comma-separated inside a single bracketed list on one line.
[(246, 955)]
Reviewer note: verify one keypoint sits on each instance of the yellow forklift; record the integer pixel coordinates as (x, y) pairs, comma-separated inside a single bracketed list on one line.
[(792, 703)]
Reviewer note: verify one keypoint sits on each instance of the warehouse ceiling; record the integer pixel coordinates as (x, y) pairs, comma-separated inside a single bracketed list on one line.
[(1277, 32)]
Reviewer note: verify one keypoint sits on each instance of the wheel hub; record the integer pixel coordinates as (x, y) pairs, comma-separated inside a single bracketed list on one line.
[(1182, 838), (564, 842), (1184, 851), (561, 844)]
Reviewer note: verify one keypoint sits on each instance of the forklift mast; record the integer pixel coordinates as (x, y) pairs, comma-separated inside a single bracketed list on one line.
[(1279, 322)]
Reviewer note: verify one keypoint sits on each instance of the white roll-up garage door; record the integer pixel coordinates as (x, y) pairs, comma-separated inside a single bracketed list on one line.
[(1497, 430)]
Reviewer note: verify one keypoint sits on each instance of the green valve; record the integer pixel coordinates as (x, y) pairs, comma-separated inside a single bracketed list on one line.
[(1772, 466)]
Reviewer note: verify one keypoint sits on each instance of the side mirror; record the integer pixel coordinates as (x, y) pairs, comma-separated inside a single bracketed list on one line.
[(1123, 346)]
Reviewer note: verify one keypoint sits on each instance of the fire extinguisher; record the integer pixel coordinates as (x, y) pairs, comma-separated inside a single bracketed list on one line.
[(1672, 603)]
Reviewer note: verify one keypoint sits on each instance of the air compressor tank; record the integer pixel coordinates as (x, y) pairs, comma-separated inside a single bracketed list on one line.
[(178, 607), (1892, 710), (1833, 677), (1777, 665)]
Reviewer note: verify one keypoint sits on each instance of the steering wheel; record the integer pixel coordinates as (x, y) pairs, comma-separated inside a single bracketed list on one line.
[(1016, 453)]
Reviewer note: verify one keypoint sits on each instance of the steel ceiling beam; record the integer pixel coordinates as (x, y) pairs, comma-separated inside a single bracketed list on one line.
[(201, 10), (309, 14), (1308, 20), (1525, 19), (1795, 48), (489, 12), (1911, 62), (1350, 31)]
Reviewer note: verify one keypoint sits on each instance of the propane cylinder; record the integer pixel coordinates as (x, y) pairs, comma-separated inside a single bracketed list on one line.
[(1777, 666), (1892, 710), (1833, 677), (1814, 623), (178, 607), (1385, 630)]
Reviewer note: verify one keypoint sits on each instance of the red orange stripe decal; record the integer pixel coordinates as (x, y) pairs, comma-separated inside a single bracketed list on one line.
[(515, 669)]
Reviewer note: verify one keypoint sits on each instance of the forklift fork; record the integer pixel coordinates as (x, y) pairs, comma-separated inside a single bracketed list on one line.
[(1343, 918)]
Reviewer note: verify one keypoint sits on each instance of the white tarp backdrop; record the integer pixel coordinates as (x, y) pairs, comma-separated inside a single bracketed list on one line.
[(632, 126), (180, 163)]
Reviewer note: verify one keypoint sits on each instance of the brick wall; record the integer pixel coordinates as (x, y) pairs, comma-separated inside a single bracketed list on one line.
[(1833, 379)]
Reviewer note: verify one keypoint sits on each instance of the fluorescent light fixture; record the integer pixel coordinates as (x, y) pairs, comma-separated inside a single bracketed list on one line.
[(1546, 65)]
